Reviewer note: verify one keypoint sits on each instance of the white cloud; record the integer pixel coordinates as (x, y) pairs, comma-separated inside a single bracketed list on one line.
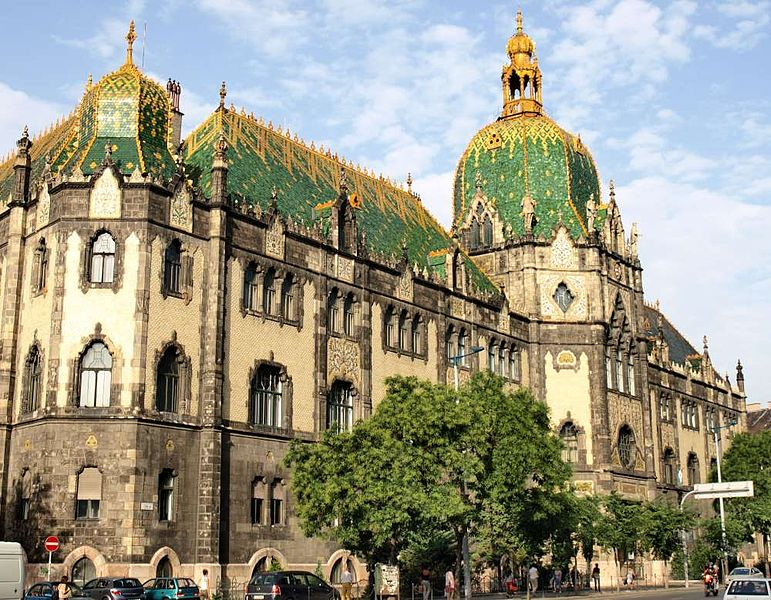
[(751, 19), (35, 112)]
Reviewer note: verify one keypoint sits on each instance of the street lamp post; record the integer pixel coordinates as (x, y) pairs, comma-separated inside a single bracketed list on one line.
[(716, 433), (456, 360)]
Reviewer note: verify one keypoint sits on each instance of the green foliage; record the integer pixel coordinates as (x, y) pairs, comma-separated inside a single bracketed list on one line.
[(749, 458), (274, 565), (663, 526), (319, 571)]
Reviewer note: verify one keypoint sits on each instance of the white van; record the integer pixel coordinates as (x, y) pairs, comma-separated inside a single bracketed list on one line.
[(12, 563)]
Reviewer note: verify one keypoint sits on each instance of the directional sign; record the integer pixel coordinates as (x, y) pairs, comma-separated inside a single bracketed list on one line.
[(727, 489), (51, 544)]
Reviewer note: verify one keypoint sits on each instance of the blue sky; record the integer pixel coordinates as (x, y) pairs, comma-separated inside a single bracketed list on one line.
[(673, 98)]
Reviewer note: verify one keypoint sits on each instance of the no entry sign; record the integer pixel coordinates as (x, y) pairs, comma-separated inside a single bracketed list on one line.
[(51, 544)]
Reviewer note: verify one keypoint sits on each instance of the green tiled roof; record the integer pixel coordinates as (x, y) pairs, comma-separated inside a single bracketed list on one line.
[(308, 182), (680, 349), (529, 153)]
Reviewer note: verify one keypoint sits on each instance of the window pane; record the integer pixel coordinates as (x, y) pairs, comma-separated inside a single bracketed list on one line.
[(87, 388), (103, 380), (109, 268)]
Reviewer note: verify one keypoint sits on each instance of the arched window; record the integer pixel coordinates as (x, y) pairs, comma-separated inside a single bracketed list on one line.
[(404, 331), (569, 435), (265, 406), (33, 380), (95, 376), (164, 568), (340, 407), (167, 389), (619, 371), (341, 565), (172, 270), (669, 466), (417, 335), (89, 494), (693, 469), (269, 292), (102, 267), (333, 309), (475, 238), (166, 499), (626, 447), (608, 370), (492, 354), (251, 287), (488, 231), (462, 345), (390, 327), (502, 360), (665, 407), (83, 571), (449, 344), (258, 501), (277, 502), (349, 305), (630, 373), (514, 373), (40, 267), (288, 303)]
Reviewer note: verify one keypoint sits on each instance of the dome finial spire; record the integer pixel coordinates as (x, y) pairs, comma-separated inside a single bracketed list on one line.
[(519, 21), (130, 37), (522, 77)]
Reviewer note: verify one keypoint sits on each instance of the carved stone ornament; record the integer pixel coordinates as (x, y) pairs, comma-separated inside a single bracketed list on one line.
[(181, 209), (91, 442), (274, 240), (563, 254), (43, 207), (549, 307), (458, 308), (345, 269), (105, 199), (344, 361), (566, 359), (404, 289)]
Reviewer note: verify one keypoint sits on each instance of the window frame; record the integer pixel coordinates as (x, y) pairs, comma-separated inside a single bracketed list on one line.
[(108, 256), (340, 402), (172, 269), (626, 435), (166, 495), (83, 370), (250, 291), (271, 400), (173, 380)]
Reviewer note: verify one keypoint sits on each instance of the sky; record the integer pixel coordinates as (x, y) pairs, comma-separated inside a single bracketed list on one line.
[(673, 98)]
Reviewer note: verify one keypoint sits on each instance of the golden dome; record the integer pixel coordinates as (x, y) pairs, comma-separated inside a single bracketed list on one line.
[(520, 42)]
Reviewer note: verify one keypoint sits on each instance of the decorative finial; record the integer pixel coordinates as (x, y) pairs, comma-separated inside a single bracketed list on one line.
[(519, 21), (478, 181), (612, 187), (220, 148), (409, 182), (108, 151), (343, 181), (706, 346), (273, 193), (25, 133), (223, 93), (130, 37), (89, 82)]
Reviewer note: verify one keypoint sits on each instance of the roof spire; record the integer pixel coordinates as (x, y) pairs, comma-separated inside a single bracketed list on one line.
[(519, 21), (223, 93), (130, 37), (521, 78), (409, 182)]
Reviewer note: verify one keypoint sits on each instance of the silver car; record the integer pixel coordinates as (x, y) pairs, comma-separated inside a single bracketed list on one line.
[(748, 589), (744, 573)]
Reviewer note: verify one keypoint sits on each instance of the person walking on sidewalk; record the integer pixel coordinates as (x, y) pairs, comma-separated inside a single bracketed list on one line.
[(532, 577), (346, 581), (425, 583), (449, 584), (596, 577), (558, 580)]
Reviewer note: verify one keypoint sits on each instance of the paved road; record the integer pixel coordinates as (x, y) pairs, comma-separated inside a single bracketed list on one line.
[(695, 592)]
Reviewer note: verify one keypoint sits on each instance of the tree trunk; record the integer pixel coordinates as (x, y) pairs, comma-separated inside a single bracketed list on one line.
[(617, 559), (458, 560), (666, 574), (766, 543)]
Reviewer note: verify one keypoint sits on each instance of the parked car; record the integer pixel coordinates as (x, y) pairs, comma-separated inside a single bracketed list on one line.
[(744, 573), (114, 588), (289, 585), (171, 588), (44, 590), (748, 589)]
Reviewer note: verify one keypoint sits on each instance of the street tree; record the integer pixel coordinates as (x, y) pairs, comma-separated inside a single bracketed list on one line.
[(664, 524), (749, 458), (621, 528)]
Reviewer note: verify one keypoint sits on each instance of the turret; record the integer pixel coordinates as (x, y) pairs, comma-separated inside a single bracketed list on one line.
[(740, 376), (22, 168), (521, 78), (174, 90)]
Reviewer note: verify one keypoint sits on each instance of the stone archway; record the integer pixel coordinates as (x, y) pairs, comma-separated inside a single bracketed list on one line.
[(92, 554), (171, 556), (266, 554)]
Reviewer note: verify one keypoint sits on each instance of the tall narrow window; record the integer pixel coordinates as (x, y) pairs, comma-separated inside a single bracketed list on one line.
[(333, 310), (166, 495), (417, 337), (449, 344), (348, 315), (277, 502), (619, 371), (462, 345), (693, 469), (89, 494), (514, 364), (269, 292), (492, 354), (265, 397), (251, 287), (669, 466), (102, 259), (608, 371), (340, 407), (404, 334), (475, 237), (569, 436), (488, 231), (172, 271), (258, 501), (288, 304), (630, 374), (168, 381), (502, 360), (626, 447), (40, 267), (95, 376), (33, 380), (390, 328)]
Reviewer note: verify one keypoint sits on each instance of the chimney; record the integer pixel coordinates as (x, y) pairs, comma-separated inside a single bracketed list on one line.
[(22, 168), (174, 90)]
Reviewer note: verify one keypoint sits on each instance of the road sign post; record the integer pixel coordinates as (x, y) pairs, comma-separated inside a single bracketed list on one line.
[(51, 544)]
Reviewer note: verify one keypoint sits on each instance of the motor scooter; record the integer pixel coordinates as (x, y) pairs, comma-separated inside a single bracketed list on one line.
[(711, 584)]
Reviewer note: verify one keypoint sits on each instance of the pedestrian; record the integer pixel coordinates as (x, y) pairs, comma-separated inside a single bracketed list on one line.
[(346, 581), (596, 577), (425, 583), (64, 590), (532, 577), (558, 580), (203, 585), (449, 584)]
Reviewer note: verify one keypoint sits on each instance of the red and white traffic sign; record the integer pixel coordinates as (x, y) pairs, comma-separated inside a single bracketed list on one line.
[(51, 544)]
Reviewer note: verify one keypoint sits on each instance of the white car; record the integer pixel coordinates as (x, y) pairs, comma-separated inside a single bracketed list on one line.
[(748, 589), (744, 573)]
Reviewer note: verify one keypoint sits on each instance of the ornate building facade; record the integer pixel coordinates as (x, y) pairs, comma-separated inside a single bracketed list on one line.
[(175, 312)]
